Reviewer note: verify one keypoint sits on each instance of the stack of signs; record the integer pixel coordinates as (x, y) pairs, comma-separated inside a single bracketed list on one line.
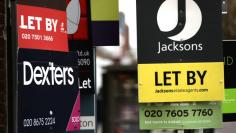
[(79, 19), (48, 95), (180, 59), (55, 64), (229, 40)]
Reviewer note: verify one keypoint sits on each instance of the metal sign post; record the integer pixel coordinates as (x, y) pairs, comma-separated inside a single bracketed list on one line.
[(180, 131)]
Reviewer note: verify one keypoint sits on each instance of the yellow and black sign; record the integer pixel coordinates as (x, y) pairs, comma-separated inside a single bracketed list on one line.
[(178, 82), (180, 57)]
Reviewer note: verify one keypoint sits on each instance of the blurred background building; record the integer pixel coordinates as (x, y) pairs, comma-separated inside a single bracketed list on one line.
[(229, 19)]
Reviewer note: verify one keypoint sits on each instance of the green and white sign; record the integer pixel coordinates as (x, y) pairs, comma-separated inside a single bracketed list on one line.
[(180, 115), (229, 104)]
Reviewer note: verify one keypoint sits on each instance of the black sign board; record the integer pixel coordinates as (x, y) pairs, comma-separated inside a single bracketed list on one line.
[(85, 61), (229, 41), (47, 90), (48, 82), (175, 31), (229, 63), (230, 85)]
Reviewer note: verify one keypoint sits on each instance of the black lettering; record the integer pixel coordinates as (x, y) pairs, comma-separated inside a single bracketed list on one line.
[(191, 77), (176, 73), (202, 76), (166, 78), (156, 80)]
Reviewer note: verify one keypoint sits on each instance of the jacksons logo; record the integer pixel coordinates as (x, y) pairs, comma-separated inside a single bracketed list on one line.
[(175, 46), (50, 75), (183, 22)]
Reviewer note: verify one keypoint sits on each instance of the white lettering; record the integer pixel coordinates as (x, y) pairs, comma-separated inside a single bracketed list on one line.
[(31, 22), (25, 63), (48, 75), (85, 84), (51, 24)]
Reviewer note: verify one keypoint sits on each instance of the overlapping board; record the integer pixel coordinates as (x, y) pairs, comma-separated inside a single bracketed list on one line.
[(105, 22), (47, 71), (180, 57), (52, 71), (180, 64), (229, 39), (230, 91), (81, 43)]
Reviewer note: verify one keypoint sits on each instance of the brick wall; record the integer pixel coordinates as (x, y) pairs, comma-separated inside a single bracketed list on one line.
[(2, 71)]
